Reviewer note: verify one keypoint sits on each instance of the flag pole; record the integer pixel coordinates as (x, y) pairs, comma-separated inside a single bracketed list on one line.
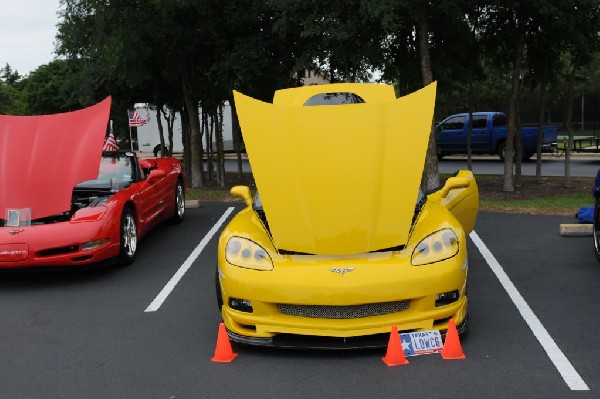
[(129, 124), (130, 139)]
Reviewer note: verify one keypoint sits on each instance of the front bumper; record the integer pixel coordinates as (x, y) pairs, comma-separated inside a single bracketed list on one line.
[(58, 244), (267, 323), (295, 341)]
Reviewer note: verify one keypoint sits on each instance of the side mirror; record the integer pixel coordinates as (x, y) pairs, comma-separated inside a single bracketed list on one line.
[(155, 175), (454, 183), (242, 192), (145, 164)]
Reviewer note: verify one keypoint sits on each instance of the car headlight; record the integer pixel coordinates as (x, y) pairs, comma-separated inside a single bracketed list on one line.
[(245, 253), (438, 246)]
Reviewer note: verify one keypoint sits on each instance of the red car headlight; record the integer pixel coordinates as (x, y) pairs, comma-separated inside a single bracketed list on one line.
[(92, 214), (88, 246)]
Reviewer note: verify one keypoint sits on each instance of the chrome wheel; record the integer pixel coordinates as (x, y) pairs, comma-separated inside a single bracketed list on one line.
[(179, 203), (128, 237)]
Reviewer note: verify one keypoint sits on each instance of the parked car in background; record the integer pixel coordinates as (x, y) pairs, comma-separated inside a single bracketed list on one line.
[(596, 220), (66, 202), (488, 135), (108, 216)]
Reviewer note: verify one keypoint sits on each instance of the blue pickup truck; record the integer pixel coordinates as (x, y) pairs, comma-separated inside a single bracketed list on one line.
[(488, 135)]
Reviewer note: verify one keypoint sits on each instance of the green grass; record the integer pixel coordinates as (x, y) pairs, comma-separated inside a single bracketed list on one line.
[(566, 204), (553, 201), (209, 194)]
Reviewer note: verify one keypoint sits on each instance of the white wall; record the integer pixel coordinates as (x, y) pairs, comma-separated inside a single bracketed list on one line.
[(148, 135)]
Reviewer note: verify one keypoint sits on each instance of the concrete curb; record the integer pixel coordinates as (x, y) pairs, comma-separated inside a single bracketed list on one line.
[(576, 230), (192, 203)]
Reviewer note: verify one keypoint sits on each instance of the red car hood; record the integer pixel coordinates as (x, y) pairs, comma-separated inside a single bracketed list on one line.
[(43, 157)]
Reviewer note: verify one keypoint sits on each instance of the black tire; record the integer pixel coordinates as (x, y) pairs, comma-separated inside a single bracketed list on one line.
[(179, 203), (502, 153), (596, 229), (128, 248), (463, 330), (218, 291), (501, 150)]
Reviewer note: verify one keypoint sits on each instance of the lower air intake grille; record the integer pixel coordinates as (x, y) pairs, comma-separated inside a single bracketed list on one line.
[(343, 312)]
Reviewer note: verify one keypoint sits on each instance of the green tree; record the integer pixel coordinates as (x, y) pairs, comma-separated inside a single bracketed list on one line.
[(580, 44), (339, 38), (49, 90), (10, 87), (422, 40)]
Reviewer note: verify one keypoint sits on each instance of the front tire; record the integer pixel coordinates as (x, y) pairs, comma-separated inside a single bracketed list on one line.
[(218, 291), (596, 229), (179, 203), (128, 248)]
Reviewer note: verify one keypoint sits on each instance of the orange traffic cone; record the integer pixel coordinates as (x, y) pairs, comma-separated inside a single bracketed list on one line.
[(395, 353), (223, 351), (452, 348)]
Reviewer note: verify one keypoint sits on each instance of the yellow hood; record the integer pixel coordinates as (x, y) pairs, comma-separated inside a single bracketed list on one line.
[(338, 179)]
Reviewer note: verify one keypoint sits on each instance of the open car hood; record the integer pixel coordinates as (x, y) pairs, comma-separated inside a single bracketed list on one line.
[(338, 179), (43, 157)]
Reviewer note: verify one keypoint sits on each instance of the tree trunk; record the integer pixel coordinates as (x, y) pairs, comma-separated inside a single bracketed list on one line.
[(196, 161), (512, 106), (207, 128), (169, 115), (519, 146), (161, 134), (237, 138), (186, 141), (540, 136), (470, 132), (568, 126), (430, 179), (219, 142)]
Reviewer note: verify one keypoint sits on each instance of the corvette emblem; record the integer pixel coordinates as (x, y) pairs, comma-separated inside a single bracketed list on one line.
[(15, 231), (342, 271)]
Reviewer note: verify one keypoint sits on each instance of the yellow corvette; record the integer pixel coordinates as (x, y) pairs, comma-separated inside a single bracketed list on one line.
[(340, 242)]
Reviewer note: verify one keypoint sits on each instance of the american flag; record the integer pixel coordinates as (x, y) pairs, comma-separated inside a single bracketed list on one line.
[(135, 120), (110, 144)]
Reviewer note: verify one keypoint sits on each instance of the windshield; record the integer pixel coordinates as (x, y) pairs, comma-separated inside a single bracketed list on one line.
[(334, 99), (116, 171)]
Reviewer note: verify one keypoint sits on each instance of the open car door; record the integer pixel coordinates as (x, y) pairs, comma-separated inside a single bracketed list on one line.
[(460, 195)]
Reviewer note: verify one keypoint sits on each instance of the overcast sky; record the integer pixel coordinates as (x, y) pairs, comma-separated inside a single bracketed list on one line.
[(27, 30)]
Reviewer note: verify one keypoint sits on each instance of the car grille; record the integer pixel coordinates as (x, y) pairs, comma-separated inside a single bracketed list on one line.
[(343, 312)]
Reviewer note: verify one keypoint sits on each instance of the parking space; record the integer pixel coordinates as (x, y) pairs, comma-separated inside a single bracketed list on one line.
[(90, 335)]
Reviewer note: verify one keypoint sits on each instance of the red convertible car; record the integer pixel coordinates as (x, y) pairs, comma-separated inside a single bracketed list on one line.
[(106, 212)]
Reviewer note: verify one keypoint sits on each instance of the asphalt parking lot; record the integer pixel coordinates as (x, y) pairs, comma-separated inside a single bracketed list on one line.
[(149, 330)]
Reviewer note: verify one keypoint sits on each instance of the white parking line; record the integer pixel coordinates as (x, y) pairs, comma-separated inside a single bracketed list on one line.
[(170, 286), (562, 364)]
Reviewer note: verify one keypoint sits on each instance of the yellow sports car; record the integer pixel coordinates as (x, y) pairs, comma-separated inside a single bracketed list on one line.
[(340, 242)]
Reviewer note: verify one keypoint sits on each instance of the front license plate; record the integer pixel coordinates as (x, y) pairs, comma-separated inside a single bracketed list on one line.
[(421, 342), (13, 252)]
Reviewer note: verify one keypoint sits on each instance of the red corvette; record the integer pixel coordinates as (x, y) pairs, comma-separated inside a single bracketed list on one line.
[(102, 219)]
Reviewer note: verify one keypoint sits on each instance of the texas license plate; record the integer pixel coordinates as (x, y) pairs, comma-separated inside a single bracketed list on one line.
[(421, 342)]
